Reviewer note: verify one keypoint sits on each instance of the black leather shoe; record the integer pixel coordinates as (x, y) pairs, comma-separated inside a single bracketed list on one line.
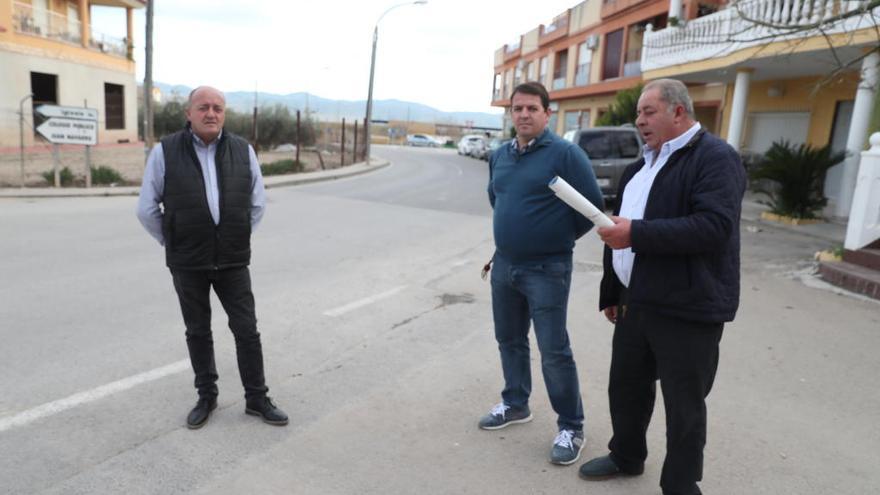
[(603, 468), (200, 414), (264, 408)]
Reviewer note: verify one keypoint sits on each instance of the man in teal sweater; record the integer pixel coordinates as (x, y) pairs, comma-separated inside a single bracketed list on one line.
[(535, 233)]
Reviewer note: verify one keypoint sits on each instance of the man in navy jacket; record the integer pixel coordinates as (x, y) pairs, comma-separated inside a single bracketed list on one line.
[(671, 281), (535, 233)]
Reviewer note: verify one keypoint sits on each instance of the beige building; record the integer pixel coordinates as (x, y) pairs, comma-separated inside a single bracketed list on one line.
[(758, 70), (49, 54)]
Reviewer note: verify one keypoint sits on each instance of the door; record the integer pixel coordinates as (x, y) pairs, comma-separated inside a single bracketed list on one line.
[(839, 133), (768, 127)]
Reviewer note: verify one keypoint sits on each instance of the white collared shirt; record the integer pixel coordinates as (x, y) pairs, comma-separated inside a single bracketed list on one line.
[(635, 196)]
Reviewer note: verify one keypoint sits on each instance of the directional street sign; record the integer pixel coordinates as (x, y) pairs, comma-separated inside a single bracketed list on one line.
[(59, 130), (68, 112)]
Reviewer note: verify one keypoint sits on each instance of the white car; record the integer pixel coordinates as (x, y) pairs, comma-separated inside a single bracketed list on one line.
[(471, 145), (420, 140)]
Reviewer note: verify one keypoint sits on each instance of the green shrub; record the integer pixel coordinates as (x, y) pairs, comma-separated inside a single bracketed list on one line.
[(281, 167), (624, 109), (102, 175), (64, 174), (796, 175)]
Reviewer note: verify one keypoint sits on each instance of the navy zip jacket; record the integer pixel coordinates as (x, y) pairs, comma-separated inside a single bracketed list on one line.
[(687, 246), (530, 222)]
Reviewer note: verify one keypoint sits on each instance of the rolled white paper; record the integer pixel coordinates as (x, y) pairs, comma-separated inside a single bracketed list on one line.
[(577, 201)]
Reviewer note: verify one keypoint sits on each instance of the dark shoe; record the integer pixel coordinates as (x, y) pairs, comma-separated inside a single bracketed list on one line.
[(200, 414), (503, 415), (603, 468), (264, 408), (567, 447)]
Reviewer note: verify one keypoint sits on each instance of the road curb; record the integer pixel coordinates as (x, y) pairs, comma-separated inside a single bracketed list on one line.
[(271, 182)]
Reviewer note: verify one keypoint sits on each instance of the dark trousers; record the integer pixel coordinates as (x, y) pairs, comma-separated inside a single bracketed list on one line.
[(537, 292), (233, 288), (683, 355)]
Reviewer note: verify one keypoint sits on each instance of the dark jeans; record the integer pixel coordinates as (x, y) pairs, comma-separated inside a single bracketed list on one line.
[(536, 292), (233, 288), (683, 355)]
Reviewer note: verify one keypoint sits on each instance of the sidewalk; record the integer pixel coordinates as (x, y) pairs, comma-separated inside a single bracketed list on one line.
[(270, 181), (828, 230)]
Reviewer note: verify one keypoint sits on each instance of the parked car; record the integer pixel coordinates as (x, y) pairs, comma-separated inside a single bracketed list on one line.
[(610, 150), (493, 145), (469, 143), (420, 140)]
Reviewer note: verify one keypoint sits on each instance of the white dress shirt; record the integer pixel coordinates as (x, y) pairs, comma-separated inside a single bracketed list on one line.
[(635, 196), (153, 187)]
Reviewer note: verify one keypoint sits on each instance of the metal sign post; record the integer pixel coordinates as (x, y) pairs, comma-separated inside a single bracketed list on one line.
[(55, 165), (60, 130), (69, 125)]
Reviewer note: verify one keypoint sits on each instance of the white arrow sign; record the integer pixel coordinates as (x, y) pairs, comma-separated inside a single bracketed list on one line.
[(69, 131), (68, 112)]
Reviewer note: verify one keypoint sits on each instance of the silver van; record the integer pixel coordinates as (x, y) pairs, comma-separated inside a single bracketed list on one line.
[(610, 150)]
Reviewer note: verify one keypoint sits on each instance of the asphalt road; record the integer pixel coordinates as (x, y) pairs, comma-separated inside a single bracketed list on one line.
[(378, 343)]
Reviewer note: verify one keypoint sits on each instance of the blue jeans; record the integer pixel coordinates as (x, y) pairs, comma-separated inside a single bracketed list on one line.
[(537, 292)]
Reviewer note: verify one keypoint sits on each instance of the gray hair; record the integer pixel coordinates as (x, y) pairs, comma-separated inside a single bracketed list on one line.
[(674, 93), (192, 93)]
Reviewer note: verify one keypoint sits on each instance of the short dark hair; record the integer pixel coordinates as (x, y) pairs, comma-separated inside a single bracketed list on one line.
[(533, 88)]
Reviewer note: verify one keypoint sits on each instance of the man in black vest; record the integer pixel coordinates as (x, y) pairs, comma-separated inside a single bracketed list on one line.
[(209, 185)]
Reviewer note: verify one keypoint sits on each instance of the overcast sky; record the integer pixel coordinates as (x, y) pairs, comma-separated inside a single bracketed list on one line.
[(440, 54)]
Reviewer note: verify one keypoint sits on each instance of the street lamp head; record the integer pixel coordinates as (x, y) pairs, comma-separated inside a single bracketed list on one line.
[(420, 2)]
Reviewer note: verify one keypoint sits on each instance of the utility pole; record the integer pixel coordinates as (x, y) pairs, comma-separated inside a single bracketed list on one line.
[(148, 81), (21, 132), (255, 131)]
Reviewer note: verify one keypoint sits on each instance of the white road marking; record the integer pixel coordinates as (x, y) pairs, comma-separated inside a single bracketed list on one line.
[(363, 302), (459, 263), (78, 399)]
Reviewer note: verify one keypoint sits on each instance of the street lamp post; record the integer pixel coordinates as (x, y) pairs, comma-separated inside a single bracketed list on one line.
[(21, 133), (368, 123)]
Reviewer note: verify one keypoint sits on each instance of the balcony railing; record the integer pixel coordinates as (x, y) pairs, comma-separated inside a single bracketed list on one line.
[(555, 30), (44, 23), (632, 63), (559, 82), (109, 44), (747, 23), (50, 25)]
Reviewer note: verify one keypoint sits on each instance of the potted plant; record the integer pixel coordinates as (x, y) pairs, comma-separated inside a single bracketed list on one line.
[(793, 179)]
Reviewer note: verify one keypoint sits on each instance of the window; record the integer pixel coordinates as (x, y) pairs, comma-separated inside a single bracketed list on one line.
[(114, 106), (517, 75), (543, 75), (597, 145), (629, 145), (45, 90), (606, 145), (554, 117), (571, 120), (529, 72), (560, 68), (613, 53), (585, 57), (496, 91)]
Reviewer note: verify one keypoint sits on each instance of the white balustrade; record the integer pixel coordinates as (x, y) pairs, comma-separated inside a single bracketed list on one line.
[(726, 31), (863, 227)]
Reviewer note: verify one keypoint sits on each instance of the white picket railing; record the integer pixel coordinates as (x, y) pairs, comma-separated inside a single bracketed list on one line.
[(728, 31), (863, 226)]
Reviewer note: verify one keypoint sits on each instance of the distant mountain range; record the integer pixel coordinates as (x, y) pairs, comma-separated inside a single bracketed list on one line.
[(335, 110)]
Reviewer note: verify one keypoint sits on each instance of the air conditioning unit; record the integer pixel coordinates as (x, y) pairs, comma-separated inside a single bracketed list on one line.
[(592, 41)]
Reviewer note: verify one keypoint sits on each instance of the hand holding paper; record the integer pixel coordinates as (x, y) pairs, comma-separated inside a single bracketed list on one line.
[(577, 201)]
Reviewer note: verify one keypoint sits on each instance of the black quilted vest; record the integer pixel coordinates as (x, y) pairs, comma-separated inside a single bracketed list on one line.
[(192, 241)]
